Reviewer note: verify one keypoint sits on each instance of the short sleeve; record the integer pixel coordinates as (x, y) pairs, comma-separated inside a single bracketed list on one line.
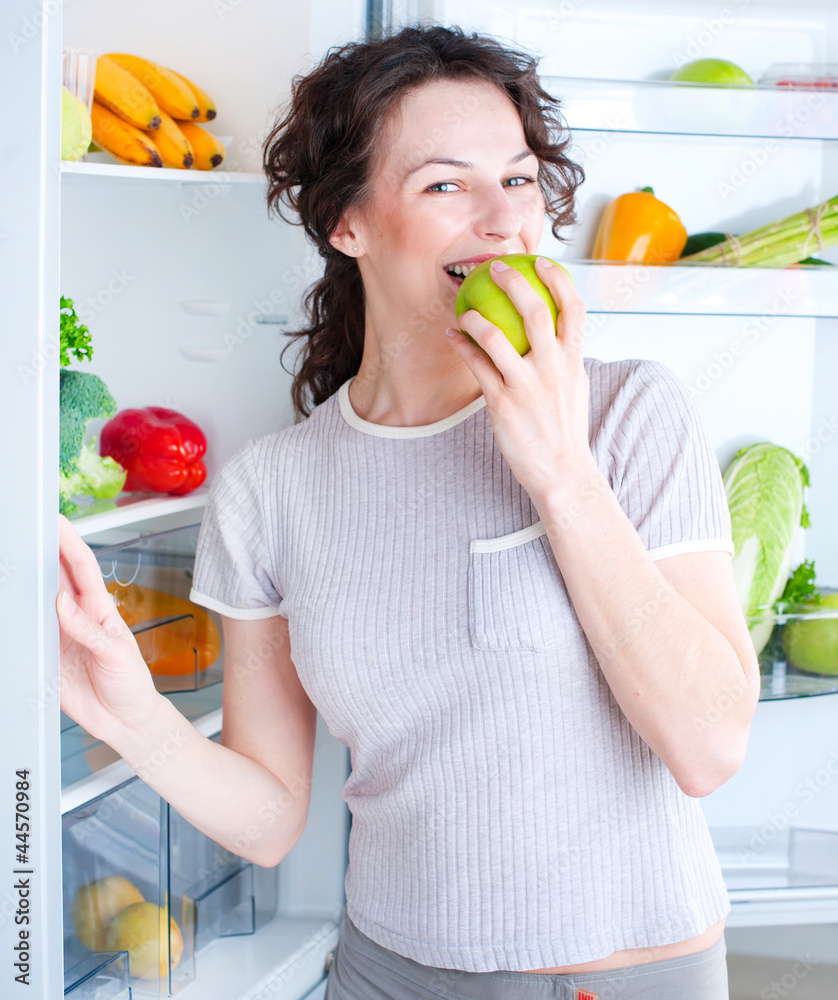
[(233, 560), (667, 476)]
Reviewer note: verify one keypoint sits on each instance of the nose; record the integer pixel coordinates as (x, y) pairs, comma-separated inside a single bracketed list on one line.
[(497, 216)]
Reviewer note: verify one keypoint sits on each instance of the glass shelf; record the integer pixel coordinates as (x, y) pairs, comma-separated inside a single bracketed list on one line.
[(668, 108), (705, 289), (783, 681), (801, 862), (805, 633)]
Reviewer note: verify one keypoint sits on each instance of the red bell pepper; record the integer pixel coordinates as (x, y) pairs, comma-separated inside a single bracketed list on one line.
[(161, 449)]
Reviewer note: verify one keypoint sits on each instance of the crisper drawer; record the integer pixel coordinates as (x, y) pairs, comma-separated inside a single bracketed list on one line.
[(145, 893)]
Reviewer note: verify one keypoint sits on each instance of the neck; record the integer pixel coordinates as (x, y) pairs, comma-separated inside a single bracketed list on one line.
[(409, 374)]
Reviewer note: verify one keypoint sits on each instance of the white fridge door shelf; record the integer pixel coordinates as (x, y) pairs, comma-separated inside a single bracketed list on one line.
[(229, 962)]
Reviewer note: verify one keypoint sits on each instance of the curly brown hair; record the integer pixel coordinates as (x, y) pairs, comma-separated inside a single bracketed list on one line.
[(320, 155)]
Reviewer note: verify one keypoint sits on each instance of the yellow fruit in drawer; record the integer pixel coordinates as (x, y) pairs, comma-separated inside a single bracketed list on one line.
[(140, 929), (96, 904), (169, 648)]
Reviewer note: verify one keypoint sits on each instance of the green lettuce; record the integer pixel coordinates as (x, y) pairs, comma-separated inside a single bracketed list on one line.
[(764, 486)]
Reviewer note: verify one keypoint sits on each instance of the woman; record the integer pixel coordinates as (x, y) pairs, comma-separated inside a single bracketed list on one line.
[(505, 581)]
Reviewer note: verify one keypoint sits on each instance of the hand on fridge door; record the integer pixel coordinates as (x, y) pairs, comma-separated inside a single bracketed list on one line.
[(253, 800), (105, 682)]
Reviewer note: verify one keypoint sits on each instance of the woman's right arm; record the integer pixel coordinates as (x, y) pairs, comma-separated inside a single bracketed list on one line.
[(251, 793)]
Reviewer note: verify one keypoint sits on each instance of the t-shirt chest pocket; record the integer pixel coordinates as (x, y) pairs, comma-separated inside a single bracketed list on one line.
[(516, 595)]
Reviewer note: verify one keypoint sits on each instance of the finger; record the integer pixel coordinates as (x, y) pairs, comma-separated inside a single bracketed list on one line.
[(79, 626), (492, 353), (572, 312), (65, 582), (538, 319), (82, 570)]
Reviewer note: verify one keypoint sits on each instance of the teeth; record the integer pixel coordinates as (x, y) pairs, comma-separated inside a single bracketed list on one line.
[(462, 269)]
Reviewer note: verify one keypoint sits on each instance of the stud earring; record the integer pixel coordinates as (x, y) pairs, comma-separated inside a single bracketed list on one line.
[(355, 249)]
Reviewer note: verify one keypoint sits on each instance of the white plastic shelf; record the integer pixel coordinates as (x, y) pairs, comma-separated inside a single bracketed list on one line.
[(667, 108), (706, 289), (135, 508), (79, 171), (283, 960)]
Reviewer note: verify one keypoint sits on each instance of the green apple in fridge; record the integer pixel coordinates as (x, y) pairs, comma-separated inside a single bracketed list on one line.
[(76, 126), (812, 645), (724, 108), (70, 126), (479, 291), (718, 71), (85, 129)]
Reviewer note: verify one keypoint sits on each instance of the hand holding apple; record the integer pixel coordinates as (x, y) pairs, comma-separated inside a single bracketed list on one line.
[(538, 403), (479, 292)]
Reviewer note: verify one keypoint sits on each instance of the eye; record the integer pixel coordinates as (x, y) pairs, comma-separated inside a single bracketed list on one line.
[(520, 181), (450, 185)]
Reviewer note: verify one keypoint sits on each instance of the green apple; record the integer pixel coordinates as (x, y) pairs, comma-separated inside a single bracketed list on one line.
[(70, 126), (719, 71), (813, 645), (85, 129), (479, 291), (726, 107)]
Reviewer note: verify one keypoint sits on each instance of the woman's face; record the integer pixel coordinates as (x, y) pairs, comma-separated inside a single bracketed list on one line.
[(454, 184)]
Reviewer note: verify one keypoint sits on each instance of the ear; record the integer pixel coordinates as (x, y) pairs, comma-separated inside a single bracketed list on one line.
[(345, 238)]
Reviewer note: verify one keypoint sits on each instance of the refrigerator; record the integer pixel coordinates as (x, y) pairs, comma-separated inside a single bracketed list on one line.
[(188, 286)]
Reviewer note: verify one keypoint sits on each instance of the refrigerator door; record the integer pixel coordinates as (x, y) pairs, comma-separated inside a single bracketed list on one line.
[(137, 254)]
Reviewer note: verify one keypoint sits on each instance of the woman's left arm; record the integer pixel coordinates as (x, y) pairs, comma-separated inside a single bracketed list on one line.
[(669, 635)]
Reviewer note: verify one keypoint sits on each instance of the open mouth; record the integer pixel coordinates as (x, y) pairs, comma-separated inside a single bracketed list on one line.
[(459, 271)]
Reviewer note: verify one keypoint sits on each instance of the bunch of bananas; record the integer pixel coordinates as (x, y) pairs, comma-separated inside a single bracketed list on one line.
[(147, 115)]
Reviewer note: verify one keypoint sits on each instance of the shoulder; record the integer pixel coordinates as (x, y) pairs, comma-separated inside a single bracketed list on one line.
[(271, 456), (635, 391), (611, 381)]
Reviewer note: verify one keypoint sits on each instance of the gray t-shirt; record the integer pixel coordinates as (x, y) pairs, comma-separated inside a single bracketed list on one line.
[(505, 813)]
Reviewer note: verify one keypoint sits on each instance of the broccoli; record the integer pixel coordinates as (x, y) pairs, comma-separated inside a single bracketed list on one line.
[(84, 397)]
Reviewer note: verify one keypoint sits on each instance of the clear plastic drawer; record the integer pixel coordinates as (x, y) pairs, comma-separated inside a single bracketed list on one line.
[(145, 893)]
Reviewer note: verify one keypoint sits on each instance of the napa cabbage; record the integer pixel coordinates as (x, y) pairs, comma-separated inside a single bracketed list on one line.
[(764, 486)]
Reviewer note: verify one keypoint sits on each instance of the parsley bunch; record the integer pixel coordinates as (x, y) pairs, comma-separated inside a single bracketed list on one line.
[(75, 337)]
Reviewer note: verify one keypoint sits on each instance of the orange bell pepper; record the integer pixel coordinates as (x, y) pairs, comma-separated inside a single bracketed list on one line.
[(637, 227), (168, 649)]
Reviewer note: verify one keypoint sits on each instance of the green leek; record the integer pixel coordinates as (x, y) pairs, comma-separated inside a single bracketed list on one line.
[(779, 244)]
